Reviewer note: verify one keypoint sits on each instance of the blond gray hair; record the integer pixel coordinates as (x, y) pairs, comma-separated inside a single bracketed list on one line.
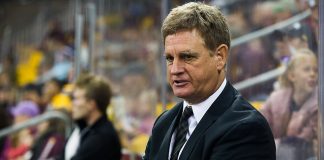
[(207, 20)]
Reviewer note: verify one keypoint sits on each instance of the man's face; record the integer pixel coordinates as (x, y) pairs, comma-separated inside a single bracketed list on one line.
[(81, 108), (193, 71), (49, 90)]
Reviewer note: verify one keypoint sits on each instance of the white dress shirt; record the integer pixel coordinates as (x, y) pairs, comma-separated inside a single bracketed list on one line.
[(199, 111), (72, 144)]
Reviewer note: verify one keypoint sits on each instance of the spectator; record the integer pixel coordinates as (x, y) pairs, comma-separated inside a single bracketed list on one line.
[(292, 109), (97, 138), (288, 41), (32, 92), (56, 43), (51, 92), (22, 140), (50, 140), (136, 131)]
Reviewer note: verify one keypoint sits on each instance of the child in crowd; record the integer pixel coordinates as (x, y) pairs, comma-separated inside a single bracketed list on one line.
[(291, 110)]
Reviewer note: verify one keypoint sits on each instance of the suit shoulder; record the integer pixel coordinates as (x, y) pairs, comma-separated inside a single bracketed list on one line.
[(246, 113), (242, 116), (166, 118)]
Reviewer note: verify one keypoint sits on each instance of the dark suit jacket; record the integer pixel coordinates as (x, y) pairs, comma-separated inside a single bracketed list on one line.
[(99, 142), (231, 129)]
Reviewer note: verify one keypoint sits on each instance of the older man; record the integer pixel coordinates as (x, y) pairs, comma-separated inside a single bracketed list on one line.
[(213, 121)]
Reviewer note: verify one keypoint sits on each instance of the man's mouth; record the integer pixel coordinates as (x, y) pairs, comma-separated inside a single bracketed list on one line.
[(180, 83)]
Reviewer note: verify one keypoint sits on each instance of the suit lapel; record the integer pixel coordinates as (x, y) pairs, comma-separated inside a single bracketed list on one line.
[(165, 145), (219, 106)]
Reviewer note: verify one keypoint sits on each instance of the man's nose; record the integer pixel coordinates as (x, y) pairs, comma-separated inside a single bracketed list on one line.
[(177, 67)]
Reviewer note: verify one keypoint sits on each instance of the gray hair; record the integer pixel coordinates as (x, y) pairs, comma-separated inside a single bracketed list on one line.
[(207, 20)]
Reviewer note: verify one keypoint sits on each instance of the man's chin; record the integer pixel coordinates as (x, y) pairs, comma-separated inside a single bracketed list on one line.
[(181, 95), (76, 118)]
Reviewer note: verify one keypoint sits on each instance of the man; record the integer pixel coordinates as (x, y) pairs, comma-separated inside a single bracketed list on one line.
[(97, 138), (221, 124)]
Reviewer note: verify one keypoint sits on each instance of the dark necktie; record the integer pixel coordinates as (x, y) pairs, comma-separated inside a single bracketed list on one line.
[(181, 132)]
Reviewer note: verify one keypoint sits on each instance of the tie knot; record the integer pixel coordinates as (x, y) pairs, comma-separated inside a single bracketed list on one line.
[(187, 113)]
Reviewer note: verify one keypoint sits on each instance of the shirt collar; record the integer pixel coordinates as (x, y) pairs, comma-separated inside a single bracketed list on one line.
[(201, 108)]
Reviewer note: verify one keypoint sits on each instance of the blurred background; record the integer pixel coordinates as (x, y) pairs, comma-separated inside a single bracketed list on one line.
[(46, 44)]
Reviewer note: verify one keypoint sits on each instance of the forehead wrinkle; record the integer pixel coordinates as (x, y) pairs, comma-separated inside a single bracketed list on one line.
[(182, 38), (186, 34)]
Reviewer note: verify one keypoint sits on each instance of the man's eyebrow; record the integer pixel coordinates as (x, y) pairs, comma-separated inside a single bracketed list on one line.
[(189, 52), (185, 51), (166, 54)]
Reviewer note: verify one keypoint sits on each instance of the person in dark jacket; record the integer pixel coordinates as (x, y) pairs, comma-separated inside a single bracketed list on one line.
[(97, 139), (213, 121)]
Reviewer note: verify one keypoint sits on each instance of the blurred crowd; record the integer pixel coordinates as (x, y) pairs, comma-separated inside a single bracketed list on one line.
[(38, 78)]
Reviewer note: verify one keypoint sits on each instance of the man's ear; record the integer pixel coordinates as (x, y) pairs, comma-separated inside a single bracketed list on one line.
[(221, 56), (92, 103)]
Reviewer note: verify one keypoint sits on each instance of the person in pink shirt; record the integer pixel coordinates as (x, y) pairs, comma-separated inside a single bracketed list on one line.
[(291, 110)]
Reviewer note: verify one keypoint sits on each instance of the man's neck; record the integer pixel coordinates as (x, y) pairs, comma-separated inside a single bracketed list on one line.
[(93, 118)]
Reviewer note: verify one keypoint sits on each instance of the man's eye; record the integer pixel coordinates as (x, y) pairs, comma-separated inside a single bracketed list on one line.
[(187, 57), (169, 59)]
